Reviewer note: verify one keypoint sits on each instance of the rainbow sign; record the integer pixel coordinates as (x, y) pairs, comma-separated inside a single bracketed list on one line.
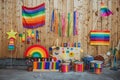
[(33, 17), (99, 37), (36, 51)]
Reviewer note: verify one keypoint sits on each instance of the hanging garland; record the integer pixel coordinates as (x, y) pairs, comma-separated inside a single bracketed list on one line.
[(63, 26)]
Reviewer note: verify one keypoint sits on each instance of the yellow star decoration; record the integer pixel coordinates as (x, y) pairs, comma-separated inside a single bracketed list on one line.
[(11, 34)]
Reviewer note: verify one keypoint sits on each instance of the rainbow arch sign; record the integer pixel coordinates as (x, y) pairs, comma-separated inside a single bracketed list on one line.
[(36, 51)]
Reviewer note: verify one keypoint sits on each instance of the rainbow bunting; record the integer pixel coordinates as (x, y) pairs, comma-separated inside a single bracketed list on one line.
[(104, 10), (33, 17), (99, 37)]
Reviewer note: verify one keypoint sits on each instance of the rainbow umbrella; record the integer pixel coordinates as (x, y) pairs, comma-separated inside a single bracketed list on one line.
[(104, 10)]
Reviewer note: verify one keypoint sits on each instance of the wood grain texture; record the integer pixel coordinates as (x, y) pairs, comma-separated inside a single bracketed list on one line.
[(11, 18)]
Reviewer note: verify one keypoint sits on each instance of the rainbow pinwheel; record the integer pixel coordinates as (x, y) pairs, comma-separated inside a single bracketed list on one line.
[(104, 10)]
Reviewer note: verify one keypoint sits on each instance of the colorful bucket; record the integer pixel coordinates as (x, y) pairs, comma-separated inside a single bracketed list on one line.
[(98, 70), (78, 67), (96, 64), (35, 65), (65, 67), (55, 65)]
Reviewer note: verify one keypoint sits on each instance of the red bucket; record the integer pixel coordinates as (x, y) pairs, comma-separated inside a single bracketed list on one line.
[(78, 67), (65, 67)]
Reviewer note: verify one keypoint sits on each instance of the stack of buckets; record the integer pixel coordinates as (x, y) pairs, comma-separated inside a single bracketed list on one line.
[(96, 66)]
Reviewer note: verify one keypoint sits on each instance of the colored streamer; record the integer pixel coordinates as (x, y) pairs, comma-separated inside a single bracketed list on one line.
[(56, 22), (37, 36), (63, 24), (75, 28), (52, 21), (68, 29), (59, 30)]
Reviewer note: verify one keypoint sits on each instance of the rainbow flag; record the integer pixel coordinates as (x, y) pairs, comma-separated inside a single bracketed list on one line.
[(33, 17), (99, 37), (104, 10)]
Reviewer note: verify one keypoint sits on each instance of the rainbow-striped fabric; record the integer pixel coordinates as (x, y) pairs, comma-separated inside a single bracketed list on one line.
[(104, 10), (33, 17), (98, 37)]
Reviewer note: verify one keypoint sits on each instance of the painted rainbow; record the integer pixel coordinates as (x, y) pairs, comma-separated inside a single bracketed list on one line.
[(99, 37), (36, 51), (33, 17)]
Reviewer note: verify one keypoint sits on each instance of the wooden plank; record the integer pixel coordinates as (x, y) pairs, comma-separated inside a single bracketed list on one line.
[(50, 33), (1, 30), (7, 19), (118, 18), (42, 31), (14, 27), (114, 24), (89, 27), (19, 29), (95, 18), (47, 3), (85, 25), (110, 22), (118, 10), (88, 10)]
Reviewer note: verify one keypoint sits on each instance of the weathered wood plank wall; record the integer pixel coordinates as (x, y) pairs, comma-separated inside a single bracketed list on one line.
[(11, 18)]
